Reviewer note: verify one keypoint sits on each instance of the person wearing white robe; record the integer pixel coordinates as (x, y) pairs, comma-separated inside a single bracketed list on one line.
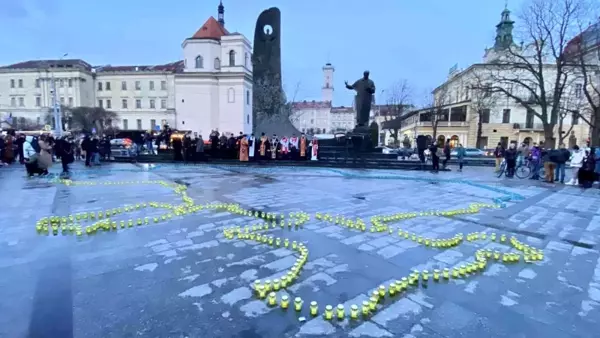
[(252, 142), (284, 144), (314, 149)]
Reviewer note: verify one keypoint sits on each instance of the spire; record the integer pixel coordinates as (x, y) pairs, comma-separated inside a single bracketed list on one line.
[(221, 16), (504, 38)]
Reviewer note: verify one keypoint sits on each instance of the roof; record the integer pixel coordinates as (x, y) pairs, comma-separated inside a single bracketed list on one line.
[(211, 29), (169, 67), (311, 105), (584, 41), (342, 109), (37, 64)]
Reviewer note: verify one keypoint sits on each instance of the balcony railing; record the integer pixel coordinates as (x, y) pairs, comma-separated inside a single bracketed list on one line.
[(528, 126), (444, 124)]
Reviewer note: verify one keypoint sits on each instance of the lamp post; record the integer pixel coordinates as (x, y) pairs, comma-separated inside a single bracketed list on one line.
[(56, 105)]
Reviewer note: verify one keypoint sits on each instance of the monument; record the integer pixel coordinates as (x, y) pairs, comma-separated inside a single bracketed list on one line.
[(365, 88), (269, 109)]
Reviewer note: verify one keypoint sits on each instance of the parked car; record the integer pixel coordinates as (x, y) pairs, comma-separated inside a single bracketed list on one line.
[(122, 147), (387, 150), (471, 152), (405, 152)]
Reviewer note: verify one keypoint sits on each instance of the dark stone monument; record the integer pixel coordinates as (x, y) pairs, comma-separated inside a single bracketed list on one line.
[(365, 88), (270, 111)]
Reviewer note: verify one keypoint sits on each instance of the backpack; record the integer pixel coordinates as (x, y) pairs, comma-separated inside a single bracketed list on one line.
[(35, 145)]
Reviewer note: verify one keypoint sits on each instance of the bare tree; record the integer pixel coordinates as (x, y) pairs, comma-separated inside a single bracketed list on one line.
[(483, 100), (397, 102), (85, 119), (535, 76), (437, 111), (582, 54)]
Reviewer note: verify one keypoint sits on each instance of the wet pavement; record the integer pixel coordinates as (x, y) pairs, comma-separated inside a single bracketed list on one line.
[(181, 277)]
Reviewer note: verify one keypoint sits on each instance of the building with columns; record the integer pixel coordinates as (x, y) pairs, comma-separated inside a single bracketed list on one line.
[(210, 88), (458, 107)]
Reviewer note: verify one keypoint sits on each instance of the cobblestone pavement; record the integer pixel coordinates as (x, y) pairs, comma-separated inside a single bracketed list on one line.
[(183, 278)]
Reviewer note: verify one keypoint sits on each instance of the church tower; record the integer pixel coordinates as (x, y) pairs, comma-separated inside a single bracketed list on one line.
[(221, 17), (327, 90), (504, 29)]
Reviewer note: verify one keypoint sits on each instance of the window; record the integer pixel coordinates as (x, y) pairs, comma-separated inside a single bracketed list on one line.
[(138, 85), (199, 62), (138, 104), (62, 100), (100, 104), (123, 85), (230, 95), (139, 124), (37, 83), (70, 83), (13, 102), (38, 101), (163, 104), (20, 83), (21, 102), (61, 83), (247, 118), (124, 104), (575, 118), (485, 116), (247, 97), (151, 85), (506, 116), (467, 92), (108, 104), (107, 85), (99, 86), (246, 60), (12, 83), (153, 124), (152, 104), (70, 101), (231, 58), (163, 85), (125, 124), (217, 63), (578, 90)]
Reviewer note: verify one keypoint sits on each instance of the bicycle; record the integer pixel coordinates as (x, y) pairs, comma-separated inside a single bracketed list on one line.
[(524, 169), (502, 169)]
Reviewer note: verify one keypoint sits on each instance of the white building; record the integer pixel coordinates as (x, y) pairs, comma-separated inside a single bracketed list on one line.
[(210, 89)]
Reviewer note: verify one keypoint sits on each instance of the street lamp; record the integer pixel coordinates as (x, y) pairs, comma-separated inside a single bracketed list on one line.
[(57, 113)]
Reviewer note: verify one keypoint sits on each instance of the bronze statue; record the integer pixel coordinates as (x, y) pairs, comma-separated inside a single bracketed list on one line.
[(365, 88)]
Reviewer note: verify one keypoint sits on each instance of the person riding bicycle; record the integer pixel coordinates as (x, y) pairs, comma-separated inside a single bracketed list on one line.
[(510, 155)]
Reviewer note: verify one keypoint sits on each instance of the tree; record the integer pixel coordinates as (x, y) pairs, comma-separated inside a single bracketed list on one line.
[(27, 124), (535, 76), (86, 119), (398, 100), (581, 54), (437, 111), (571, 106), (483, 99)]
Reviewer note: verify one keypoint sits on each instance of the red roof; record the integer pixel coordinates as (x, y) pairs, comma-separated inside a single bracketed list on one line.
[(211, 29), (311, 105)]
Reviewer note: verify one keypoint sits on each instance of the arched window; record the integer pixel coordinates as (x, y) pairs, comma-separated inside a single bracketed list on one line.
[(247, 97), (231, 58), (217, 63), (199, 62), (246, 57), (230, 95)]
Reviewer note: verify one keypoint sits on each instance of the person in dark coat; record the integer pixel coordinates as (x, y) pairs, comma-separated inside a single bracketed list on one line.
[(20, 141), (447, 151), (510, 156), (435, 159), (85, 146)]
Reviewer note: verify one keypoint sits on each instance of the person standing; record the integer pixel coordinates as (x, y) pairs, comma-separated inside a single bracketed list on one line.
[(9, 151), (314, 149), (510, 156), (586, 173), (561, 157), (244, 148), (499, 155), (535, 154), (435, 160), (447, 152), (303, 146), (251, 146), (44, 159), (263, 147), (199, 148), (548, 159), (460, 156), (20, 141), (522, 153), (576, 160), (66, 154)]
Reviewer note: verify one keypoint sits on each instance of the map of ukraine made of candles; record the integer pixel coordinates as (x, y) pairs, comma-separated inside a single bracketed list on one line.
[(272, 291)]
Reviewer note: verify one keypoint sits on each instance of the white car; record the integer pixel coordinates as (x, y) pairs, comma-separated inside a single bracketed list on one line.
[(470, 152)]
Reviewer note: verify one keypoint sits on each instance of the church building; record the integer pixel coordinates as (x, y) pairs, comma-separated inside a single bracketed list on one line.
[(214, 90)]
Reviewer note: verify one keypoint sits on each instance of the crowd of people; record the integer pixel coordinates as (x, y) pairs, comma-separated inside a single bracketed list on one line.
[(192, 147)]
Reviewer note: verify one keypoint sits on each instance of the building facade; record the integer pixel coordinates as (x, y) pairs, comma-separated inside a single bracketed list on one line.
[(462, 104), (211, 88)]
